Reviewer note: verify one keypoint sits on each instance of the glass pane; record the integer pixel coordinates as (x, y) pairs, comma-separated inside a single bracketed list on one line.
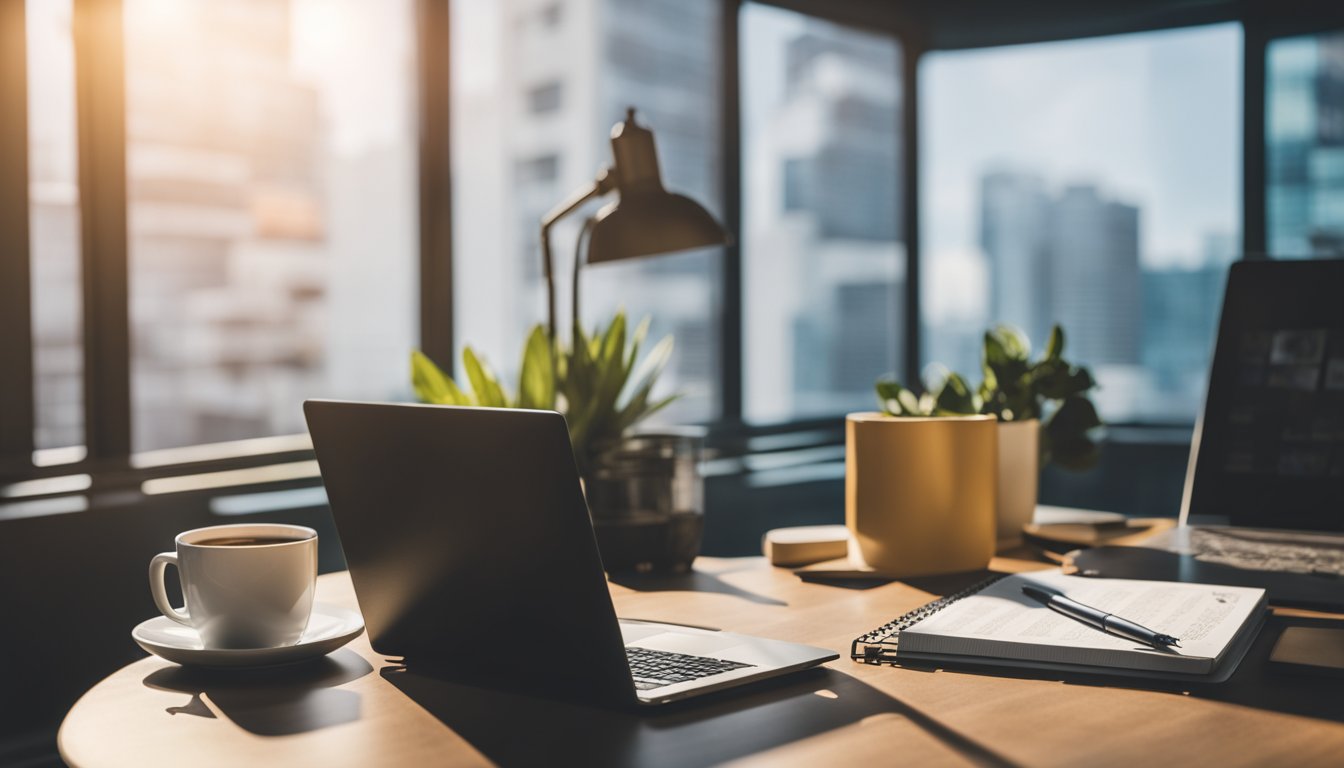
[(1304, 143), (273, 231), (58, 358), (537, 89), (823, 255), (1092, 183)]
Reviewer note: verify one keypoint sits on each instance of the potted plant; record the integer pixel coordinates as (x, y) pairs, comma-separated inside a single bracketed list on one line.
[(1044, 411), (644, 490)]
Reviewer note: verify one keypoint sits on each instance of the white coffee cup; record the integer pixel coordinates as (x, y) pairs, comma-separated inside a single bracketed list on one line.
[(245, 586)]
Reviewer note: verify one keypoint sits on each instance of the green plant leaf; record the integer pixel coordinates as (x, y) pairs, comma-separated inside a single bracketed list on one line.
[(536, 380), (659, 405), (636, 341), (889, 396), (1057, 380), (612, 373), (1064, 437), (577, 386), (599, 381), (1054, 348), (1005, 344), (484, 385), (912, 405), (955, 398), (648, 369), (432, 385), (1076, 415)]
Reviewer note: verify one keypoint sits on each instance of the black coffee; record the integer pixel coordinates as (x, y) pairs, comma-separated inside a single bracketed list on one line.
[(244, 541)]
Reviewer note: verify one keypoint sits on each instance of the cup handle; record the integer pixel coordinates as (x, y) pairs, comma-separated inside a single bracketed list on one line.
[(157, 567)]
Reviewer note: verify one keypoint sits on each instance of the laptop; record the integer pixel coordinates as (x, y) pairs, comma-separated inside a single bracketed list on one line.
[(1263, 502), (472, 555)]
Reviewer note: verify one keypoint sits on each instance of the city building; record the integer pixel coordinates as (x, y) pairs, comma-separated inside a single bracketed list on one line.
[(824, 255), (568, 72), (1014, 226), (1070, 258), (1093, 292), (1305, 147)]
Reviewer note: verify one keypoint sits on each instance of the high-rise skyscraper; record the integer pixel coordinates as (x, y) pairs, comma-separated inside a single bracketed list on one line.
[(1305, 146), (824, 271), (1014, 228), (1094, 276), (1180, 323), (226, 221), (1070, 258), (261, 214)]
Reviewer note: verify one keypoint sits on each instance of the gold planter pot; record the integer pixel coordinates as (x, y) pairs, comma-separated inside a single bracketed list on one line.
[(920, 493)]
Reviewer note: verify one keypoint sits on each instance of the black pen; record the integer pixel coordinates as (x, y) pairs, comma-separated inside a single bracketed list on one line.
[(1095, 617)]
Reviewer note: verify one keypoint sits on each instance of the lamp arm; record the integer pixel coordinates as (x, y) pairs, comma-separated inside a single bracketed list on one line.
[(584, 234), (604, 183)]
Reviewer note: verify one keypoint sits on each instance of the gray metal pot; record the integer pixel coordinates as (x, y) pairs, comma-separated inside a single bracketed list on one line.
[(647, 499)]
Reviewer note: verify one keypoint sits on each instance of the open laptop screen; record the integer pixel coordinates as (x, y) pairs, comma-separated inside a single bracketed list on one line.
[(1271, 453)]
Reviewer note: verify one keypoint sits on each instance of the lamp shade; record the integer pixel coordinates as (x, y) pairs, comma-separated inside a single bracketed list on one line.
[(647, 219)]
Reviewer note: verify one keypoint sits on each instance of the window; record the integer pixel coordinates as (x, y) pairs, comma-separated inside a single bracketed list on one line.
[(1092, 183), (629, 56), (1304, 136), (274, 180), (543, 98), (539, 170), (823, 254), (272, 211), (550, 14), (54, 227)]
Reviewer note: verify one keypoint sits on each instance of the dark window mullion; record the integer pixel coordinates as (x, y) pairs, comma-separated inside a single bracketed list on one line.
[(16, 339), (911, 50), (730, 361), (1254, 175), (100, 95), (435, 163)]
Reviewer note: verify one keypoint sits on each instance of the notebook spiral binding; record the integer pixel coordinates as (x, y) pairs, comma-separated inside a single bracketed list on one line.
[(880, 645)]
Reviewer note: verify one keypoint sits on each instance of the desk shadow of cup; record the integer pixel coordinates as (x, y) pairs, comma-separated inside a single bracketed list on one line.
[(270, 701), (920, 492)]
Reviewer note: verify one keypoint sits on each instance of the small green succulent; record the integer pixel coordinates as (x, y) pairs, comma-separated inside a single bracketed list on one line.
[(1014, 389)]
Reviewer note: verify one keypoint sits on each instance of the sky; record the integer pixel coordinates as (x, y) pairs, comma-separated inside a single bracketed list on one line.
[(332, 43), (1153, 119)]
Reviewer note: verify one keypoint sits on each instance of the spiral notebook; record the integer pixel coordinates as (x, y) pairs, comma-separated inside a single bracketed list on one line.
[(995, 624)]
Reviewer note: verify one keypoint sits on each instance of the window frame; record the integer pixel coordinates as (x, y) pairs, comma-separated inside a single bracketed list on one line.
[(107, 456), (919, 28)]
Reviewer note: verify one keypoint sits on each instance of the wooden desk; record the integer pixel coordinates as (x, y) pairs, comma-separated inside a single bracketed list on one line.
[(356, 709)]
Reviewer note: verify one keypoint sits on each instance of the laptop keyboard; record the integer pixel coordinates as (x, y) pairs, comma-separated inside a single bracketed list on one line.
[(1269, 551), (655, 669)]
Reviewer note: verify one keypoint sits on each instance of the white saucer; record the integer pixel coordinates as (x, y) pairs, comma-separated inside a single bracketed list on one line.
[(329, 628)]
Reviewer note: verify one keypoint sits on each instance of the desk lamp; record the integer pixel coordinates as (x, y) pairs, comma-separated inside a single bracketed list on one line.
[(646, 220)]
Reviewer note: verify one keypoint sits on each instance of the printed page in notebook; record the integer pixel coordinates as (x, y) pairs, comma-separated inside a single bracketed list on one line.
[(1002, 623)]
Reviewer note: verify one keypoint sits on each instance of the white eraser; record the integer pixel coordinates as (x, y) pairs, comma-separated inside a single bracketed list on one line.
[(805, 544)]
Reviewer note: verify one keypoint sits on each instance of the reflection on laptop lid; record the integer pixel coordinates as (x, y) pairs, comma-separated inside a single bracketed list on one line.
[(1269, 452)]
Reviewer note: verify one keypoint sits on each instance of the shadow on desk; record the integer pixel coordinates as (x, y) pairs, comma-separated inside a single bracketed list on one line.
[(513, 729), (695, 581), (270, 701), (940, 585)]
